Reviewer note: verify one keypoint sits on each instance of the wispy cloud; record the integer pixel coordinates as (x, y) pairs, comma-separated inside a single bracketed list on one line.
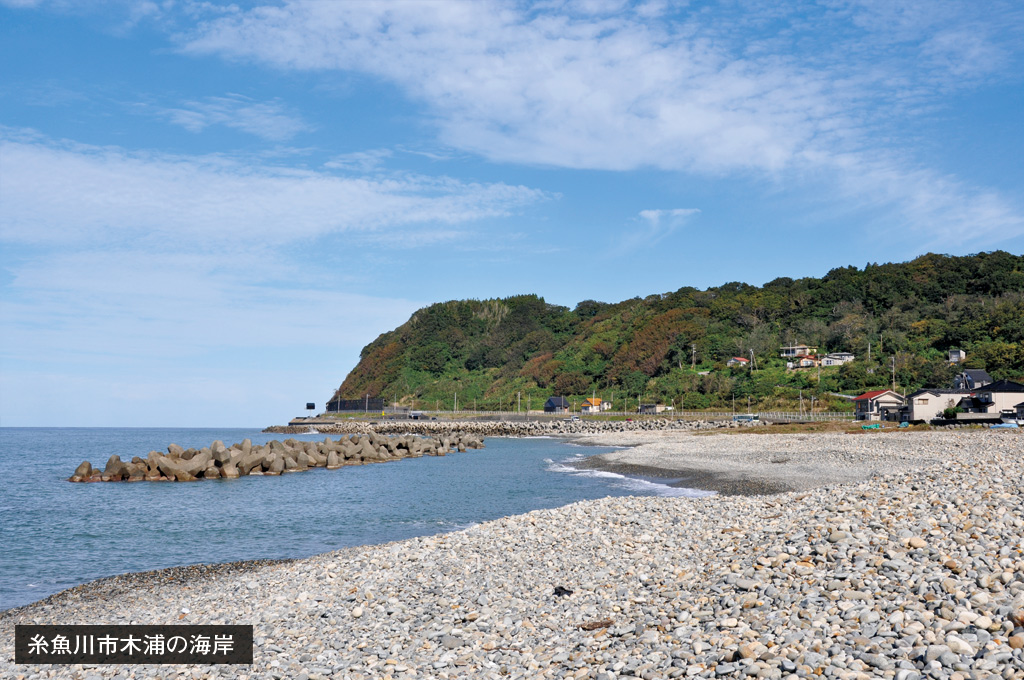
[(826, 90), (58, 192), (655, 225), (271, 120), (360, 161)]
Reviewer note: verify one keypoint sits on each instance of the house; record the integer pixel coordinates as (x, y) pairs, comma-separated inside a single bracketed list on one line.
[(993, 398), (878, 405), (797, 351), (971, 379), (1019, 408), (837, 359), (595, 405), (738, 361), (956, 356), (556, 405), (653, 408), (927, 404)]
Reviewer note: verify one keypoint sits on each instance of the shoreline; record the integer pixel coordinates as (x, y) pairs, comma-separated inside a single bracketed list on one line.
[(689, 478), (750, 464), (915, 567)]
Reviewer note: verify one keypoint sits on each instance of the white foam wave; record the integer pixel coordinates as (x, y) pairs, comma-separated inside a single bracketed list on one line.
[(631, 483)]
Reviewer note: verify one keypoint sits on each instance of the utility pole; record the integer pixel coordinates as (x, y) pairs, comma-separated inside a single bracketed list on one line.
[(519, 398), (801, 403), (753, 363), (893, 372), (694, 348), (455, 407)]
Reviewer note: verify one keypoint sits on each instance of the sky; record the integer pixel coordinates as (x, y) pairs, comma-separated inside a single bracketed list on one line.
[(207, 209)]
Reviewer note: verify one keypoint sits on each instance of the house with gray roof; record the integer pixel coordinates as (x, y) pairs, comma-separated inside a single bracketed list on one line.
[(971, 379), (994, 398), (556, 405)]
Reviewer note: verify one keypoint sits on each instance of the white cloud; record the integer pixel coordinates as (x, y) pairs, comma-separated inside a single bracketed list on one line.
[(58, 193), (360, 161), (269, 120), (653, 226), (796, 90), (674, 216), (942, 211)]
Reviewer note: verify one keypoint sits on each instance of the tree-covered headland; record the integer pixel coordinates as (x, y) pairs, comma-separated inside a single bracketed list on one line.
[(672, 348)]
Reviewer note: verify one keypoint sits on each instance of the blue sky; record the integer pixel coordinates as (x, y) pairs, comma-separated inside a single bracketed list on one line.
[(208, 209)]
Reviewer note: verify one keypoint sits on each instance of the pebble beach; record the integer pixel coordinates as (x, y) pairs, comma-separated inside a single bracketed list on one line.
[(894, 555)]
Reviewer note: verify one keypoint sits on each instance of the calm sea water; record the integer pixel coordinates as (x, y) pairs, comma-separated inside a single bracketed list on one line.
[(55, 535)]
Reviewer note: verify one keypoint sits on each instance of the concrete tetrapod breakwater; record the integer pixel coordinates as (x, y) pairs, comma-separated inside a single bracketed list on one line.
[(218, 461)]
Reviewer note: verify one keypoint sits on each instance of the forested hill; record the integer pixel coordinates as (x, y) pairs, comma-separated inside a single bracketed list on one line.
[(488, 351)]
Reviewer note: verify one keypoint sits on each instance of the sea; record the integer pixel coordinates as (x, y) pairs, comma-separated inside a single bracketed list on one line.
[(55, 535)]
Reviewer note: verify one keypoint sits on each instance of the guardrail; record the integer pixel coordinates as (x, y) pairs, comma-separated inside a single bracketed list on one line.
[(796, 416)]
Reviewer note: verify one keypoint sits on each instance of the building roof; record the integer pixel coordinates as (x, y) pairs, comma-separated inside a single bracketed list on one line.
[(873, 395), (595, 401), (977, 374), (935, 390), (557, 401), (746, 361), (839, 354), (973, 402), (1001, 386)]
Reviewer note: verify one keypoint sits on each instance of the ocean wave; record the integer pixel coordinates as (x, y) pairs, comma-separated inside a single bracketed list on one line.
[(633, 484)]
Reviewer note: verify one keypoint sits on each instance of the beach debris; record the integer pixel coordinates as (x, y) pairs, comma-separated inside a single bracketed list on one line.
[(595, 625), (562, 591)]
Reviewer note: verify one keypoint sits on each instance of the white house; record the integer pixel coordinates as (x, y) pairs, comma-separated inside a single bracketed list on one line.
[(878, 405), (927, 404), (956, 356), (738, 361), (837, 359), (797, 351)]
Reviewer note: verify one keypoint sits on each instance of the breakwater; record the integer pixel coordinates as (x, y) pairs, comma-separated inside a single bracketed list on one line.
[(218, 461), (509, 428)]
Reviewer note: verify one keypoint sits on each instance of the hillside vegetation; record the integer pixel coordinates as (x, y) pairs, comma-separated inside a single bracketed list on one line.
[(489, 351)]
